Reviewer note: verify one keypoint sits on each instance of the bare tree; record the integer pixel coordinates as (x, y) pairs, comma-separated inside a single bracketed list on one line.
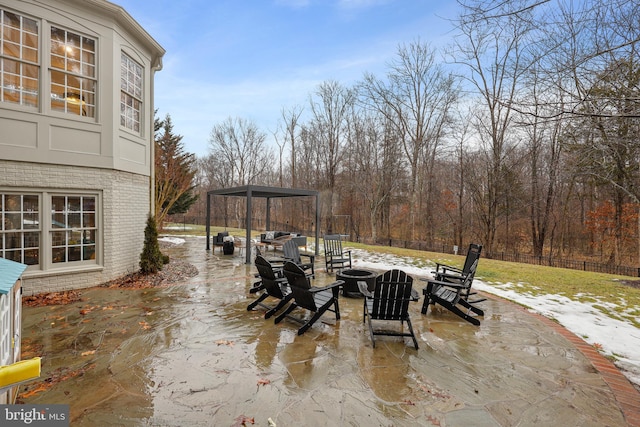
[(290, 129), (491, 47), (330, 107), (416, 98), (238, 149), (240, 146), (376, 165)]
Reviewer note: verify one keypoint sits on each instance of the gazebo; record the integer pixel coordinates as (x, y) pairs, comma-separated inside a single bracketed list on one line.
[(251, 191)]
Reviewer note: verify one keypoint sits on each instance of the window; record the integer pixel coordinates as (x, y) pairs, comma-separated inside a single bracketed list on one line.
[(67, 237), (73, 225), (19, 66), (20, 238), (131, 93), (73, 72)]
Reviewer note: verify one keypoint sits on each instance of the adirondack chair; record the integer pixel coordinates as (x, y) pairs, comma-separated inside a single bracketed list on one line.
[(272, 284), (389, 301), (451, 295), (333, 254), (292, 253), (316, 300), (447, 273)]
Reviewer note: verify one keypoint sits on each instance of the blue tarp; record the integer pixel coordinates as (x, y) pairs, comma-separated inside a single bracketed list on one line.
[(10, 272)]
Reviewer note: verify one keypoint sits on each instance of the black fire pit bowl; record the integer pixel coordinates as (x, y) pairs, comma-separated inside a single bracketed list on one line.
[(351, 276)]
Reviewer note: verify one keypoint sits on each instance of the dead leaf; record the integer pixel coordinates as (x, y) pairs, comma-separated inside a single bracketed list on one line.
[(243, 420), (225, 342), (88, 353), (144, 325)]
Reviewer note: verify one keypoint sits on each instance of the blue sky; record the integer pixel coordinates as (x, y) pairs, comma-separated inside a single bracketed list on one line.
[(251, 58)]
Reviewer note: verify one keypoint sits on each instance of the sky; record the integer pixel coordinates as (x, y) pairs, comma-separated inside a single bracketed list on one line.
[(253, 58)]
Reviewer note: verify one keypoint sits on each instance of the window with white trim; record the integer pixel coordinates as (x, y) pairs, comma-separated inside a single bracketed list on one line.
[(20, 229), (73, 228), (73, 73), (130, 93), (19, 59), (69, 236)]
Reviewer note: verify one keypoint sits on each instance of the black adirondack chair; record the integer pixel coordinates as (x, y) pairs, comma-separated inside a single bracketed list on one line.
[(452, 296), (218, 240), (389, 301), (450, 274), (333, 254), (272, 284), (292, 253), (316, 300)]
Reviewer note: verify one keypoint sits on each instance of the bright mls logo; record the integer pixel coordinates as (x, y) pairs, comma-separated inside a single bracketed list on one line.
[(34, 415)]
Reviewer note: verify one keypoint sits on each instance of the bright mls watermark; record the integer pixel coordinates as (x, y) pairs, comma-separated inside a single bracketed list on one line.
[(34, 415)]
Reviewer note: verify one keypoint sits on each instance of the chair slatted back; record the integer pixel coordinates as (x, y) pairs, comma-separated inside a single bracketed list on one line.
[(300, 286), (268, 277), (291, 252), (468, 279), (391, 295), (333, 245), (473, 254)]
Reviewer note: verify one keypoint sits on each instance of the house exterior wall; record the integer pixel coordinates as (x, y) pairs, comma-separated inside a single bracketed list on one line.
[(124, 197), (49, 154)]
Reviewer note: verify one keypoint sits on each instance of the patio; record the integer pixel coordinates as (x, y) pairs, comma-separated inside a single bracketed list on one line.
[(191, 354)]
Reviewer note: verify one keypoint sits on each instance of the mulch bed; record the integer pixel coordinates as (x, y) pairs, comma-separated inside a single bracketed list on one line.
[(172, 273)]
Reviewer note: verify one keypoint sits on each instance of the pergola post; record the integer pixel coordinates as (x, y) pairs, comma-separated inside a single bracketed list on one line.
[(208, 225), (247, 250)]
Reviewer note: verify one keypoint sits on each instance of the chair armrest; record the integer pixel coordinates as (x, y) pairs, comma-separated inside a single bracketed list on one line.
[(312, 258), (364, 289), (443, 276), (445, 267), (335, 284), (440, 283), (258, 286)]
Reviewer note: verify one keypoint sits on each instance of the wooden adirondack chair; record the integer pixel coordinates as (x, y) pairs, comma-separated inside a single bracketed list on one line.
[(450, 274), (451, 295), (316, 300), (389, 301), (272, 284), (292, 253), (333, 254)]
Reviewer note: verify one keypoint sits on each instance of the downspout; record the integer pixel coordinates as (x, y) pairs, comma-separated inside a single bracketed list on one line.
[(155, 66)]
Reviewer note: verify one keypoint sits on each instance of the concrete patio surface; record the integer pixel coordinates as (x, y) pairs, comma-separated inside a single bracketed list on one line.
[(192, 355)]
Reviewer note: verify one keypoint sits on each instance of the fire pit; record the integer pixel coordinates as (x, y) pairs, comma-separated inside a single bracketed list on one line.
[(351, 277)]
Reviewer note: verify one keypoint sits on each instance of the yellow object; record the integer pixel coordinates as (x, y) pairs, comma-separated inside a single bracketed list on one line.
[(19, 371)]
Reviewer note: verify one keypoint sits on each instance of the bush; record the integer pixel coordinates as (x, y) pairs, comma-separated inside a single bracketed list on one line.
[(151, 259)]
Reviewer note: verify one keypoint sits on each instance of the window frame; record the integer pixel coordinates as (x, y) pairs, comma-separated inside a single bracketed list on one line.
[(26, 84), (46, 229), (131, 93), (73, 78)]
